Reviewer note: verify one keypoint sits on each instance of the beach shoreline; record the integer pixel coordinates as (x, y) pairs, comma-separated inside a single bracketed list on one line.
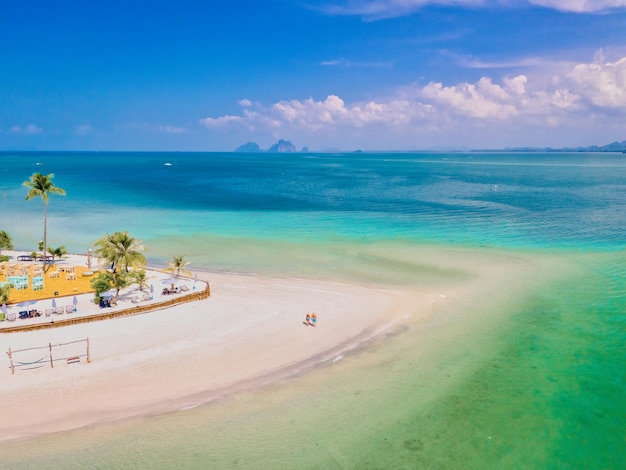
[(248, 334)]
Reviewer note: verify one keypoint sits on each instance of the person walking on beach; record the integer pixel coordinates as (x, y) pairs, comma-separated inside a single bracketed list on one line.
[(313, 319), (307, 320)]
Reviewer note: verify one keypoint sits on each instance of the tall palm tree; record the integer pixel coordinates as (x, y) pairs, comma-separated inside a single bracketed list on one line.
[(177, 265), (122, 250), (42, 186)]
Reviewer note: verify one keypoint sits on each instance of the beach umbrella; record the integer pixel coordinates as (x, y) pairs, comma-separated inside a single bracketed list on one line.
[(195, 279), (54, 303), (110, 293), (27, 303), (4, 308), (151, 291), (75, 302)]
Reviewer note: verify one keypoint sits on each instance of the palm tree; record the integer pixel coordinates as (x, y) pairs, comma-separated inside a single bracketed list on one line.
[(4, 293), (119, 280), (121, 250), (42, 186), (5, 241), (177, 265), (59, 252), (140, 278)]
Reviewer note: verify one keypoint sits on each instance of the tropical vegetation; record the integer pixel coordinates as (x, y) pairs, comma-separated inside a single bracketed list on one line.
[(177, 265), (42, 186), (100, 284), (140, 278), (58, 252), (4, 293), (121, 250), (6, 243)]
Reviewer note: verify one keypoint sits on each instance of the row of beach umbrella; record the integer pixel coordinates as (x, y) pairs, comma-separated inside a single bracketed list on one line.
[(30, 303)]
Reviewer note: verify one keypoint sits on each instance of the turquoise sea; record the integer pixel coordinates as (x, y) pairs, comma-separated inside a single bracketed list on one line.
[(541, 384)]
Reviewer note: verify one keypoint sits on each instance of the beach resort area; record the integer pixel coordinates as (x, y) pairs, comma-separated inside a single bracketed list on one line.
[(63, 294)]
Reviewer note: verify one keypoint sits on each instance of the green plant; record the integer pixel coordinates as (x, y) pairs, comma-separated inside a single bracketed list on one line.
[(59, 252), (4, 293), (101, 283), (5, 241), (122, 250), (177, 265), (140, 278), (42, 186)]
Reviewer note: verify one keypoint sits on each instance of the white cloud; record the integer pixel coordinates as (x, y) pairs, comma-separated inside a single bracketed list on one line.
[(381, 9), (82, 129), (169, 129), (245, 102), (30, 129), (604, 85), (158, 128), (528, 100), (312, 115), (351, 63), (482, 99), (221, 121), (581, 6)]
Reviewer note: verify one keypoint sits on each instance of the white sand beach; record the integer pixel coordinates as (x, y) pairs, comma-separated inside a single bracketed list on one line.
[(250, 332)]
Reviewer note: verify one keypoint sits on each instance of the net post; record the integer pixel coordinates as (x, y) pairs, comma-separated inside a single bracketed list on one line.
[(10, 354)]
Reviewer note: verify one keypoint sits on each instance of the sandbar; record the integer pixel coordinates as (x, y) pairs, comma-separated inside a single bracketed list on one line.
[(249, 333)]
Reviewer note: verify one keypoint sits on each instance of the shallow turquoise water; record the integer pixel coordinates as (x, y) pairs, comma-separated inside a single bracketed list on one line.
[(541, 387)]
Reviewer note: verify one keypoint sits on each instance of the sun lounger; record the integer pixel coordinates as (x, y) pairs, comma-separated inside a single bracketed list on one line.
[(146, 296), (23, 314), (184, 288), (69, 309), (135, 299), (11, 316), (49, 312), (59, 310)]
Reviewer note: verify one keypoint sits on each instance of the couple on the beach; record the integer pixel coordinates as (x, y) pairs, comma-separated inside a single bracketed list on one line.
[(311, 319)]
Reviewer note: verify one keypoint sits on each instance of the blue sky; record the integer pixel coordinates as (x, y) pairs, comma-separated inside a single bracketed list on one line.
[(329, 75)]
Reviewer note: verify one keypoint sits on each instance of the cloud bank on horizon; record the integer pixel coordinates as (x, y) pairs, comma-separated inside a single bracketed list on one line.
[(370, 74), (580, 92)]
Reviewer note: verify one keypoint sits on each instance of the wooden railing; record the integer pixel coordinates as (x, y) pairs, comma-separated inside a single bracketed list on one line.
[(136, 310)]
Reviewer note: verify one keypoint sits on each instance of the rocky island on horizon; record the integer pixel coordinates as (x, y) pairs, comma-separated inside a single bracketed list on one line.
[(282, 146)]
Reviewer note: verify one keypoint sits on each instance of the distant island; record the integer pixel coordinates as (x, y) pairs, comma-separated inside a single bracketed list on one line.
[(282, 146), (612, 147), (285, 146)]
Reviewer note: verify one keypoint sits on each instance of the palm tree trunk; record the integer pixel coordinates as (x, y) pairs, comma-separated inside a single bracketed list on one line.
[(45, 232)]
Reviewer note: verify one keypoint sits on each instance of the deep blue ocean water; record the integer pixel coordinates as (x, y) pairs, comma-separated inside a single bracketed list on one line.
[(551, 396), (538, 200)]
